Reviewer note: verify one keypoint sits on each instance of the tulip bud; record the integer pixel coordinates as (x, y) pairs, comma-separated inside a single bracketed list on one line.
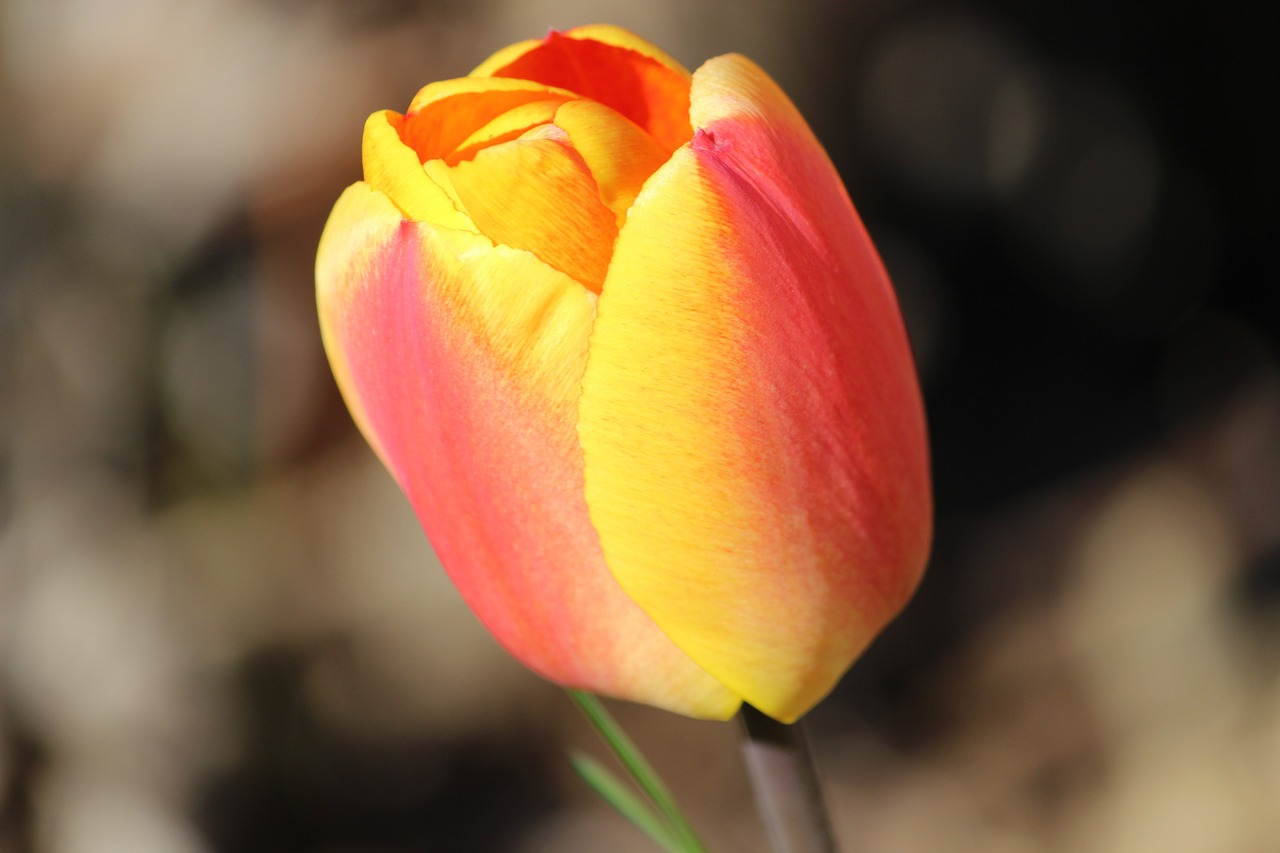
[(621, 338)]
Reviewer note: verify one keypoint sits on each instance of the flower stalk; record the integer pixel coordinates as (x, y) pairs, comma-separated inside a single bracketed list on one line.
[(785, 781)]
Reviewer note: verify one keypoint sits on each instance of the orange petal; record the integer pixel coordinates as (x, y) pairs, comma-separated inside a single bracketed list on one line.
[(605, 33), (462, 362), (537, 194), (649, 91), (510, 125), (756, 462), (443, 115), (618, 37)]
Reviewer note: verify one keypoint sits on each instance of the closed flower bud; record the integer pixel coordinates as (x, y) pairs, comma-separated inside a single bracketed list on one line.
[(621, 338)]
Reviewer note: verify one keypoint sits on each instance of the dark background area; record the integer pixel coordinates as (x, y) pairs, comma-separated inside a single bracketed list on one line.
[(222, 630)]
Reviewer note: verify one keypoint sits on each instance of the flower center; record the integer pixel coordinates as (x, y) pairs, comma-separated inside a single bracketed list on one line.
[(554, 176)]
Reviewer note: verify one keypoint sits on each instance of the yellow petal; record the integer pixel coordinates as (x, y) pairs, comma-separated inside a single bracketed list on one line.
[(756, 463), (619, 154), (392, 168), (538, 195)]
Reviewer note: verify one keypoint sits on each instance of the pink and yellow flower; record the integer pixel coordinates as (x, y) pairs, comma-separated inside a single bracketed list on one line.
[(620, 336)]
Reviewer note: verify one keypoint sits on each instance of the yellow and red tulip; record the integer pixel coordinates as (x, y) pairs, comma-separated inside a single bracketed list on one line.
[(620, 336)]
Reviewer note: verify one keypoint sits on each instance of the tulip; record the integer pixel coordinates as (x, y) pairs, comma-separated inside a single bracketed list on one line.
[(619, 335)]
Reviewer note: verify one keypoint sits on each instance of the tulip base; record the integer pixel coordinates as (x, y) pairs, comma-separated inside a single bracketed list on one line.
[(778, 762), (786, 785)]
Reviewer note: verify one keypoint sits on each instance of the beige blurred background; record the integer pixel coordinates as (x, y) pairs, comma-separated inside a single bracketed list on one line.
[(222, 631)]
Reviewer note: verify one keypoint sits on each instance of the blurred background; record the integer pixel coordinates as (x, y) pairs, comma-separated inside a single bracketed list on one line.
[(222, 631)]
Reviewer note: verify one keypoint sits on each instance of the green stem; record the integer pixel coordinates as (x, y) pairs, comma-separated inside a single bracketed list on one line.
[(619, 795), (639, 769)]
